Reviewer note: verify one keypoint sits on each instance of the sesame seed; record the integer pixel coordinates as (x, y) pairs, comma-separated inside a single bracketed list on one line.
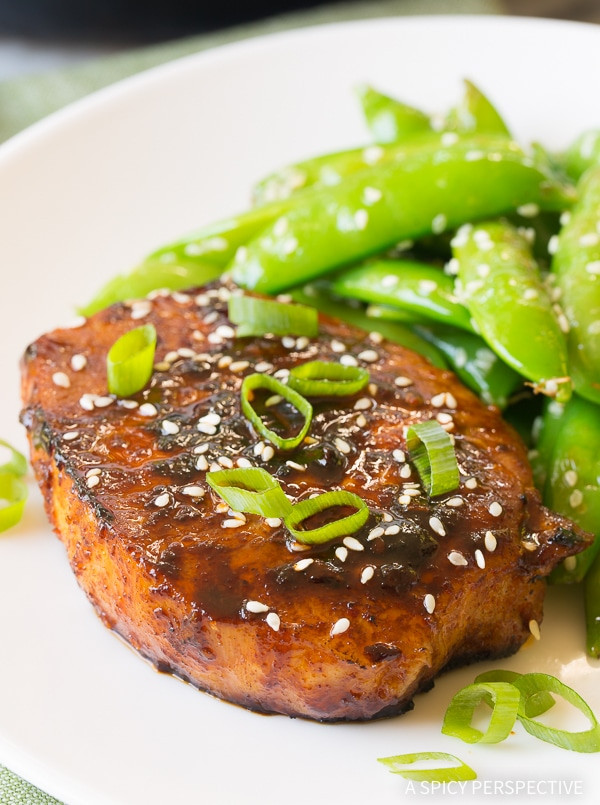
[(258, 448), (274, 399), (439, 224), (263, 366), (92, 481), (361, 421), (534, 628), (202, 464), (162, 500), (70, 435), (589, 239), (342, 446), (443, 418), (78, 362), (193, 491), (267, 453), (456, 558), (147, 409), (367, 574), (243, 462), (140, 309), (93, 471), (576, 498), (405, 471), (471, 483), (387, 517), (239, 366), (371, 195), (210, 419), (570, 564), (375, 337), (353, 544), (429, 603), (593, 267), (256, 607), (490, 541), (368, 355), (372, 154), (402, 382), (399, 456), (341, 553), (564, 323), (437, 526), (273, 620), (528, 210), (289, 245), (226, 462), (570, 477), (337, 346), (61, 379), (302, 343), (389, 281), (553, 244), (288, 342), (273, 522), (404, 500), (372, 389), (169, 428), (362, 404), (455, 502), (295, 466), (339, 627), (185, 352), (439, 400), (348, 360), (225, 331), (232, 523), (480, 559), (361, 219), (209, 430), (214, 467), (221, 507), (495, 509), (530, 294), (392, 530), (451, 400), (376, 532), (302, 564)]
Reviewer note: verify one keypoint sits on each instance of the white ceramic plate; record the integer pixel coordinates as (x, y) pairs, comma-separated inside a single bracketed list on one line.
[(84, 195)]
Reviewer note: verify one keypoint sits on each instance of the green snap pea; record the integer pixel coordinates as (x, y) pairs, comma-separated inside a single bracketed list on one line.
[(148, 277), (388, 119), (431, 190), (473, 361), (592, 609), (545, 433), (573, 483), (475, 113), (504, 292), (394, 332), (576, 267), (418, 288), (582, 153)]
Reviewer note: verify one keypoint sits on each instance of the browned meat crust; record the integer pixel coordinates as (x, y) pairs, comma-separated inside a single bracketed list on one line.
[(174, 581)]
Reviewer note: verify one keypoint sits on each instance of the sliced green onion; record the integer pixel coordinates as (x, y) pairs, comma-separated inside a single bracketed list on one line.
[(130, 360), (13, 494), (323, 379), (447, 774), (535, 705), (433, 455), (16, 464), (504, 699), (338, 528), (251, 490), (261, 316), (257, 381), (531, 685)]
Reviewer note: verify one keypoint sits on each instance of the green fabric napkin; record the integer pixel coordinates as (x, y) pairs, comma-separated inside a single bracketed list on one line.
[(24, 101)]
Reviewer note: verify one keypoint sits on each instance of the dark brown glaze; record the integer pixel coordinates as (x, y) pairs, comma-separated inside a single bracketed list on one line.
[(175, 582)]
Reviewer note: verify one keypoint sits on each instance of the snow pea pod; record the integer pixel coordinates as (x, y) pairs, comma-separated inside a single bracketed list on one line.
[(573, 483), (340, 309), (576, 267), (148, 277), (474, 362), (503, 289), (388, 119), (416, 287), (592, 609), (582, 153), (431, 190), (545, 433), (475, 113)]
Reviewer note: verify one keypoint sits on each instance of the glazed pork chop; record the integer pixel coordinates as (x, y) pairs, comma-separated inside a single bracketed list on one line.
[(347, 630)]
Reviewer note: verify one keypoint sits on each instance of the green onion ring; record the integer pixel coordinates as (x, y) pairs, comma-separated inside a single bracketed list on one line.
[(251, 490), (256, 316), (130, 360), (338, 528), (504, 699), (257, 381), (444, 775), (535, 705), (17, 463), (14, 492), (327, 379), (433, 454), (530, 685)]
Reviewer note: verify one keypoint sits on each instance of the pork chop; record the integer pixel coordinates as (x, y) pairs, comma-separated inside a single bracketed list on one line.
[(346, 630)]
